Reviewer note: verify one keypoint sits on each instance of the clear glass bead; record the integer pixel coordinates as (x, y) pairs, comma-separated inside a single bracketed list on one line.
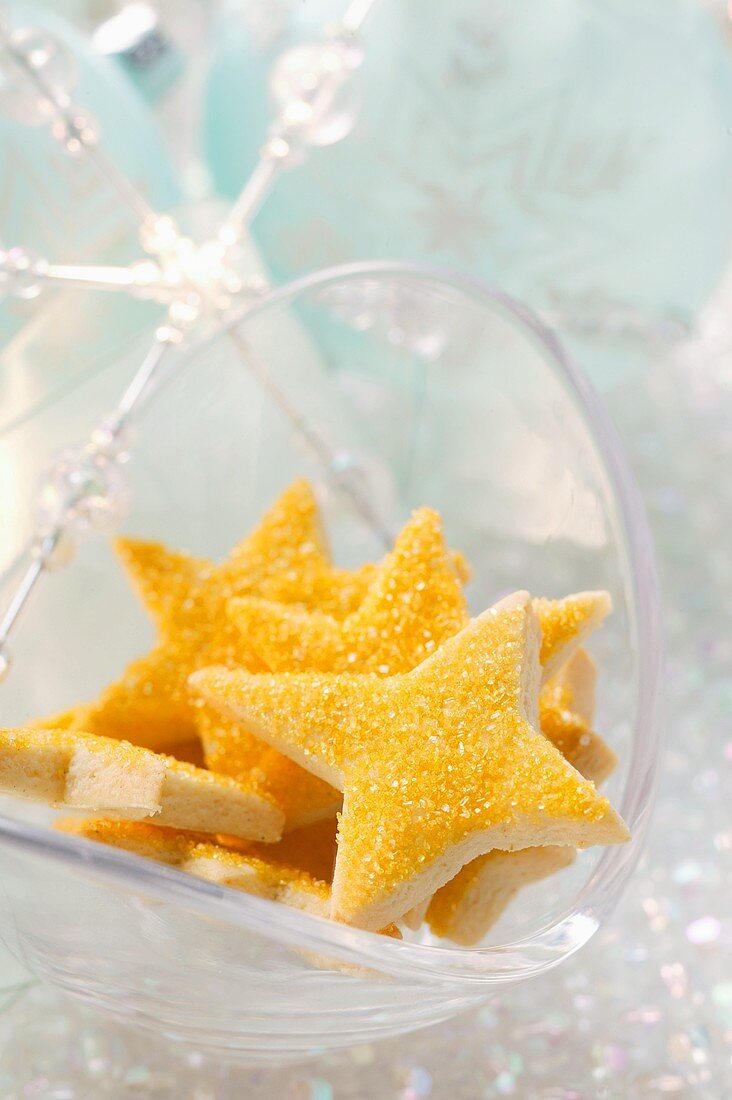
[(76, 132), (314, 92), (85, 490), (113, 437), (147, 280), (218, 271), (169, 334), (159, 234), (287, 151), (50, 60), (5, 664), (19, 271), (183, 312)]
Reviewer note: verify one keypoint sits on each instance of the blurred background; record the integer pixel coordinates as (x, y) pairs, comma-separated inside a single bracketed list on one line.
[(578, 155)]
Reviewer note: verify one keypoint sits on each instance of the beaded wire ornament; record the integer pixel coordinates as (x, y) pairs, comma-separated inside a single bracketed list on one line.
[(85, 490)]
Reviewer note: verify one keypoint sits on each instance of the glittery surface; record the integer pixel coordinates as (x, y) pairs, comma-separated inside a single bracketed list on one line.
[(465, 908), (565, 623), (187, 597), (230, 749), (414, 604), (415, 806), (645, 1011), (311, 849)]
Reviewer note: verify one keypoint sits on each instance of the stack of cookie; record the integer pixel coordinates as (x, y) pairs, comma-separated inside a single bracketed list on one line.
[(348, 742)]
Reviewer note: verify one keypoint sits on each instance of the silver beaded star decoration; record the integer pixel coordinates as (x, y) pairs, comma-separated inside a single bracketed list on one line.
[(200, 284)]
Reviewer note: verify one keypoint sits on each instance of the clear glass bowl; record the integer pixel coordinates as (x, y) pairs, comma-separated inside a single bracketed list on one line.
[(432, 389)]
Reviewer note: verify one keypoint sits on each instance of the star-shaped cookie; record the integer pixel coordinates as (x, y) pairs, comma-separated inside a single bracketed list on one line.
[(566, 713), (437, 766), (187, 598), (566, 623), (466, 908), (229, 748), (414, 604)]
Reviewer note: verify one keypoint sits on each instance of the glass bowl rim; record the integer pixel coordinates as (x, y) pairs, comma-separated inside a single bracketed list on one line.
[(569, 930)]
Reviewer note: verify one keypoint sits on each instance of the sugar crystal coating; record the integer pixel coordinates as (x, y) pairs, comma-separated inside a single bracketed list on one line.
[(566, 623), (231, 749), (466, 907), (414, 604), (311, 849), (187, 598), (436, 765)]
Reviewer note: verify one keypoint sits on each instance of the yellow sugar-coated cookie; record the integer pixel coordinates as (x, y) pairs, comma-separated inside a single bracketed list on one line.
[(312, 849), (468, 906), (438, 765), (573, 687), (187, 599), (578, 743), (566, 623), (414, 604), (65, 768), (265, 878), (464, 909), (76, 719), (566, 709), (230, 749), (265, 874)]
